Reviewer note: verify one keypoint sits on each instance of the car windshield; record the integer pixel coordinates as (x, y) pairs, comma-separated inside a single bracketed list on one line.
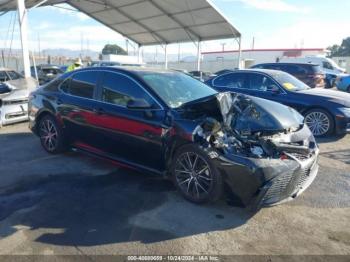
[(289, 82), (176, 88)]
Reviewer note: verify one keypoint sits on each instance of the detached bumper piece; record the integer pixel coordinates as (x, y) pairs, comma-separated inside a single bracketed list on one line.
[(13, 111), (289, 185)]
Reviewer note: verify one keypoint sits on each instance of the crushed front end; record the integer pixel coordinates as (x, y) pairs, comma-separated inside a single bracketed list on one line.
[(263, 149)]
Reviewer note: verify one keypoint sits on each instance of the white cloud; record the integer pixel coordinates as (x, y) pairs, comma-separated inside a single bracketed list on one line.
[(272, 5), (304, 33)]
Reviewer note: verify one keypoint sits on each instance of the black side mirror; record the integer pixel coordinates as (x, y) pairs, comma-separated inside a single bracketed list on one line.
[(138, 104)]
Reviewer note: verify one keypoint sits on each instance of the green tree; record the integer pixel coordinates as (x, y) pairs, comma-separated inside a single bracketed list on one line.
[(334, 49), (342, 50), (113, 50)]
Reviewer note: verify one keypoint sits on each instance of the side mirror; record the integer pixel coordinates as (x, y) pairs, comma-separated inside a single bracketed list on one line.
[(274, 89), (138, 104)]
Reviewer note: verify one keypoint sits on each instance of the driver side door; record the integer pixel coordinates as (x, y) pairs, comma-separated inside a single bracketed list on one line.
[(129, 135)]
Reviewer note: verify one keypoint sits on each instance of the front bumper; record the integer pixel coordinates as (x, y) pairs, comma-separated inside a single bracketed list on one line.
[(13, 112), (288, 185), (266, 182)]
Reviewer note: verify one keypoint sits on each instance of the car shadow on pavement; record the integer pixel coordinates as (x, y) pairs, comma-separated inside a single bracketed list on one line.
[(121, 206)]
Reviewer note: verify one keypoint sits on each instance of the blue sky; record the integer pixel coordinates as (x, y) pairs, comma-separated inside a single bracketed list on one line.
[(273, 24)]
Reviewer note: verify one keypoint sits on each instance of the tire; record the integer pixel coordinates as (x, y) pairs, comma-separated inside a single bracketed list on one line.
[(51, 135), (320, 122), (195, 176)]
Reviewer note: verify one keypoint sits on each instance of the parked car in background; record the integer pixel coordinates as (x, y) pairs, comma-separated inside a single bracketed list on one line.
[(168, 123), (327, 65), (46, 72), (201, 75), (310, 74), (14, 93), (343, 83), (325, 111), (113, 63)]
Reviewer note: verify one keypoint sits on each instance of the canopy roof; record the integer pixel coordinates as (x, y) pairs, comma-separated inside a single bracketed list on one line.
[(152, 22)]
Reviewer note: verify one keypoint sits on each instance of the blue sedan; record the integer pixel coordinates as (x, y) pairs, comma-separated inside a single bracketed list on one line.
[(343, 83), (326, 111)]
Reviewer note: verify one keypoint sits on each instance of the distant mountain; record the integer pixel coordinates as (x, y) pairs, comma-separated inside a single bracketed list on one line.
[(70, 53)]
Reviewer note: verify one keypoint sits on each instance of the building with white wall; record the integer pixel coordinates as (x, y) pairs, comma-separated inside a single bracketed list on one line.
[(256, 56)]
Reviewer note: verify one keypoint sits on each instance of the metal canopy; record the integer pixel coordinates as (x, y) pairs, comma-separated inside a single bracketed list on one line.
[(152, 22)]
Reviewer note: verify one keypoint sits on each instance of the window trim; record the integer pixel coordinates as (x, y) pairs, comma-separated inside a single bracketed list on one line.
[(133, 80), (70, 79), (97, 97)]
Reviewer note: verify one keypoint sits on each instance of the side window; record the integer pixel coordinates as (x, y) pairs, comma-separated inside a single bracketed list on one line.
[(14, 75), (82, 84), (233, 80), (327, 65), (118, 89), (53, 85), (261, 83), (296, 70), (3, 76)]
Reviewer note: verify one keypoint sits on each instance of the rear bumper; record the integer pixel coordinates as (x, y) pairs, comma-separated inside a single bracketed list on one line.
[(13, 113)]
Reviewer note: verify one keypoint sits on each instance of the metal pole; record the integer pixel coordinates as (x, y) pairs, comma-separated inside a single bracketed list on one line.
[(199, 56), (22, 16), (239, 52), (166, 56), (35, 69), (139, 53)]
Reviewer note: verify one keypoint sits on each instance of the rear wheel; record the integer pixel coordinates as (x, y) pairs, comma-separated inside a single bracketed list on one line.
[(320, 122), (51, 135), (195, 176)]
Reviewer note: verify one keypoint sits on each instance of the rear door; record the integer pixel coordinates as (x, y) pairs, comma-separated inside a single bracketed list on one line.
[(235, 82), (131, 135), (76, 105)]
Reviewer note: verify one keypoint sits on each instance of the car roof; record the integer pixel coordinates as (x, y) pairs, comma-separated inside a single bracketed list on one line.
[(129, 69), (255, 70)]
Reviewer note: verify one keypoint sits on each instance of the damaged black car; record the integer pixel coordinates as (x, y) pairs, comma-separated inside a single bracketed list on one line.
[(165, 122)]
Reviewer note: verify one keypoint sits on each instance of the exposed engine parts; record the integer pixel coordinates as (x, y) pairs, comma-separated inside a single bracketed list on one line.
[(238, 133)]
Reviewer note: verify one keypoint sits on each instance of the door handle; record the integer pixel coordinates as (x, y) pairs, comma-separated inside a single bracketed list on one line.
[(98, 111)]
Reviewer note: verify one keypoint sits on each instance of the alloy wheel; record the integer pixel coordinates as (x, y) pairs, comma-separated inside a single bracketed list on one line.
[(193, 175), (48, 134), (318, 122)]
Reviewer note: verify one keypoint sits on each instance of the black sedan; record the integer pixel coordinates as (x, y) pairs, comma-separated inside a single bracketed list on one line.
[(326, 111), (168, 123)]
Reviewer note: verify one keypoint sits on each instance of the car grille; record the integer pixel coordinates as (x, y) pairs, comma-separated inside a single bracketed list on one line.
[(277, 188), (15, 102), (285, 185)]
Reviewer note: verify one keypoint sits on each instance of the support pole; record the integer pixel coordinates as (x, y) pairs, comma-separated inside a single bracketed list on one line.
[(22, 16), (139, 53), (166, 56), (239, 52), (199, 54)]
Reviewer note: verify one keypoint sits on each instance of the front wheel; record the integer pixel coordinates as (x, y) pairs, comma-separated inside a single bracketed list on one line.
[(320, 122), (195, 175)]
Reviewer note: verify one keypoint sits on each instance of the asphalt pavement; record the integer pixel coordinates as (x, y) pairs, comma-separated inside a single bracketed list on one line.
[(73, 204)]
